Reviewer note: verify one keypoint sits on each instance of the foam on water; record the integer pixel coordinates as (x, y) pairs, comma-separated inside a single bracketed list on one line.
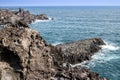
[(56, 43), (109, 46), (102, 56), (37, 21)]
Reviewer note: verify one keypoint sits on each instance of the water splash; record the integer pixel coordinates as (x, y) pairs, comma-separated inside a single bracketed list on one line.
[(104, 55), (109, 46)]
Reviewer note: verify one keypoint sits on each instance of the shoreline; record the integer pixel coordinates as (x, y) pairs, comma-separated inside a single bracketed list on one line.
[(37, 58), (9, 17)]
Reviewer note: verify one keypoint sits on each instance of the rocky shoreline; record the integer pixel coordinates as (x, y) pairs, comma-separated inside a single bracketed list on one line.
[(25, 55), (15, 18), (79, 51)]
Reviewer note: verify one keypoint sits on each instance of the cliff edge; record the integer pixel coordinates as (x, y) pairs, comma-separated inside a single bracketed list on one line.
[(25, 55)]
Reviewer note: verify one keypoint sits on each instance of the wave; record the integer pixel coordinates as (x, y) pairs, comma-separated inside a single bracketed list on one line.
[(37, 21), (109, 46), (104, 55)]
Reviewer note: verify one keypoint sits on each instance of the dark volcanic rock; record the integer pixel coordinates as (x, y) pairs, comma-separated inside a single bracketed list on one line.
[(25, 55), (8, 17), (76, 52)]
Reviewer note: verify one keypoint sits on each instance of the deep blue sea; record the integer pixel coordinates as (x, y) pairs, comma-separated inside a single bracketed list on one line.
[(76, 23)]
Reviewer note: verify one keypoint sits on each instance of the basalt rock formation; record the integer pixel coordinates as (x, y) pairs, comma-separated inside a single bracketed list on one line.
[(25, 55), (9, 17), (78, 51)]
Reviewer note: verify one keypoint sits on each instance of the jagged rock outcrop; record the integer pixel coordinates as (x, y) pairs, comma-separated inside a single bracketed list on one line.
[(78, 51), (10, 18), (42, 17), (25, 55), (77, 73)]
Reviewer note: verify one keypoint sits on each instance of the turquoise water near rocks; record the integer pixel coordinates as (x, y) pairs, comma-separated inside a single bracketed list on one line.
[(76, 23)]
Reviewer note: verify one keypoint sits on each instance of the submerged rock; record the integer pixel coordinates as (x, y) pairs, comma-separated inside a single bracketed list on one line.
[(25, 55), (76, 52)]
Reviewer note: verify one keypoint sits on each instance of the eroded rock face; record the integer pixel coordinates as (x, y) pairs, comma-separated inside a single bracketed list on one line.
[(7, 72), (76, 52), (26, 52), (16, 18), (25, 55)]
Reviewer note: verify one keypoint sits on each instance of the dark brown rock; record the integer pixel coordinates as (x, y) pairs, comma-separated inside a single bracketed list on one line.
[(78, 51), (19, 24), (25, 55), (42, 17), (77, 73), (9, 17)]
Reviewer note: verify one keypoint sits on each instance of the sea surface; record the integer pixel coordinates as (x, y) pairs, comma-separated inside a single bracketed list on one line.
[(77, 23)]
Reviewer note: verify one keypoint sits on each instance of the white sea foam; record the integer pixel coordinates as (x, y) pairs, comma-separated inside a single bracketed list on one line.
[(37, 21), (110, 46), (102, 56), (56, 43)]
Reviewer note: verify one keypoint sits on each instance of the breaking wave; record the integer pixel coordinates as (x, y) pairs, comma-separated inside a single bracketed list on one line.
[(104, 55), (109, 46)]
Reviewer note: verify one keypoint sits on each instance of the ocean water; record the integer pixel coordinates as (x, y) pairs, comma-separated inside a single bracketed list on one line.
[(76, 23)]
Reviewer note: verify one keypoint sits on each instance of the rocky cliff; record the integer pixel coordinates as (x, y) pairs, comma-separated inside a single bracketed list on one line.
[(25, 55)]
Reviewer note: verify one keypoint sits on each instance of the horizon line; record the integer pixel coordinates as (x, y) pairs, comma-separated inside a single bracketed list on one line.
[(59, 5)]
